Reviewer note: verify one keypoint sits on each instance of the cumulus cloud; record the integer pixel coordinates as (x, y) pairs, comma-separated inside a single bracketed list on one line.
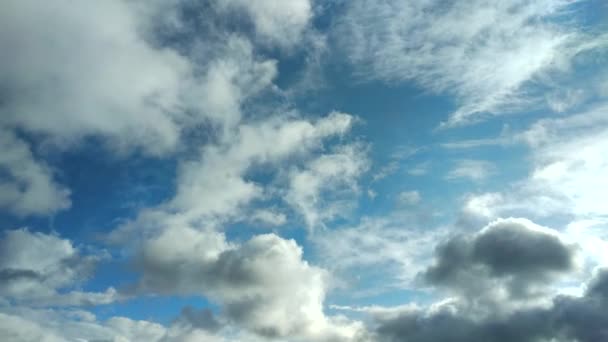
[(281, 23), (120, 85), (26, 185), (262, 284), (34, 267), (510, 262), (215, 187), (483, 53)]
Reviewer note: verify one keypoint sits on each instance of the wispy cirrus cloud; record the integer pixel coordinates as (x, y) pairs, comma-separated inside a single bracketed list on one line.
[(485, 54)]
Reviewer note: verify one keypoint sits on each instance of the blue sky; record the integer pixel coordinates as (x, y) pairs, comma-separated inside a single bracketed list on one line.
[(303, 170)]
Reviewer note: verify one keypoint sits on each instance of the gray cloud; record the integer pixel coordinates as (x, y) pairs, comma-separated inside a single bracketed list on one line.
[(583, 319), (200, 319), (514, 253)]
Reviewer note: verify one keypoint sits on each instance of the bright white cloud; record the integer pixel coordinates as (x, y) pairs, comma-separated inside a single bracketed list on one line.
[(86, 77), (484, 53), (276, 22), (566, 174), (215, 185)]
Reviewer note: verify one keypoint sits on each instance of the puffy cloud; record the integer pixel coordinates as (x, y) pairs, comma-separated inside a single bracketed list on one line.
[(483, 53), (262, 284), (27, 186), (145, 97), (566, 319), (120, 85), (214, 186), (35, 266), (90, 94), (507, 259)]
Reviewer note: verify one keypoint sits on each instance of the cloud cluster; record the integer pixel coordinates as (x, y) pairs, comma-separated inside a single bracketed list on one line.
[(507, 260), (332, 173), (116, 83), (262, 284), (568, 318), (37, 269)]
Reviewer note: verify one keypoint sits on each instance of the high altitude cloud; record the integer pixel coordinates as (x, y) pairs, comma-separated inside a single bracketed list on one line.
[(484, 53), (331, 173), (566, 174), (35, 268)]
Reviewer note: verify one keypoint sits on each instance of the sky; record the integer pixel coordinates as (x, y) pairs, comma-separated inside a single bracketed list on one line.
[(304, 170)]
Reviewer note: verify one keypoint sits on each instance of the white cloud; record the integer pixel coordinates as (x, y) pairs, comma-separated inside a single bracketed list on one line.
[(276, 22), (262, 285), (567, 170), (484, 53), (269, 217), (85, 77), (34, 267), (330, 175), (383, 248), (213, 188), (29, 188), (474, 170), (215, 184)]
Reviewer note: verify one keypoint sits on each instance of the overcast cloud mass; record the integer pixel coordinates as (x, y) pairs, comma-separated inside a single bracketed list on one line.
[(304, 171)]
